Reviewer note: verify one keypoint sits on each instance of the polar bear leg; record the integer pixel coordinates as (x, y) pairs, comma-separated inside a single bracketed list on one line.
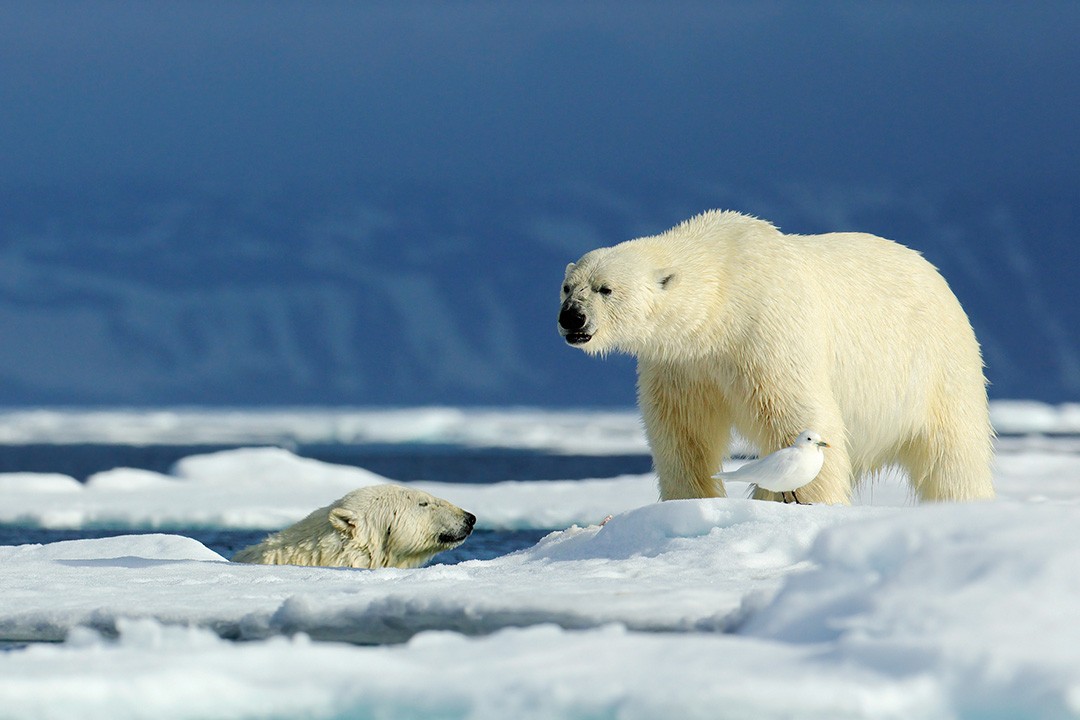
[(951, 461), (688, 428)]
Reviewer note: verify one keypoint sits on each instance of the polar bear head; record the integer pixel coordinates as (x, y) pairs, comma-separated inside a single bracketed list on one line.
[(614, 299), (398, 526), (373, 527)]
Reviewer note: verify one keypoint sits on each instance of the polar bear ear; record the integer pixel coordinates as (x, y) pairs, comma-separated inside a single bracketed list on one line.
[(667, 278), (344, 520), (569, 267), (359, 533)]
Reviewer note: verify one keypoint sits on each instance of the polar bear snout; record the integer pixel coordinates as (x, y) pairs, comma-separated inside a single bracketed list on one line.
[(455, 536), (572, 324), (570, 317)]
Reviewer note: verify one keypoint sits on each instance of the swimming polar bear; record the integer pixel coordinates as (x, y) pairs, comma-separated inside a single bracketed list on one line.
[(374, 527)]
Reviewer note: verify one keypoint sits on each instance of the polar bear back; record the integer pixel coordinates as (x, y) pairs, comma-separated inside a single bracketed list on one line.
[(739, 326)]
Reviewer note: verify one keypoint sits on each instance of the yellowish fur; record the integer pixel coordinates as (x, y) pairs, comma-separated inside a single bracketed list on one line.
[(737, 326), (373, 527)]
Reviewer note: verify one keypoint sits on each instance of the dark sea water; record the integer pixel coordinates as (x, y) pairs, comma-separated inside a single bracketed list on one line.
[(481, 545), (397, 462), (436, 463)]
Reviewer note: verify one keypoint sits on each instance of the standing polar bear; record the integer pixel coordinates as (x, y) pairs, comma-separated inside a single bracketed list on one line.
[(738, 326), (373, 527)]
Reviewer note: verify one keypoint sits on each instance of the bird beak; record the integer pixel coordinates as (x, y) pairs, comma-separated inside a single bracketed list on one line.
[(822, 443)]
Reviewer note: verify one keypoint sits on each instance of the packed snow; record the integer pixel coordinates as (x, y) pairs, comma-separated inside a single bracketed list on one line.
[(586, 432), (697, 609), (566, 431)]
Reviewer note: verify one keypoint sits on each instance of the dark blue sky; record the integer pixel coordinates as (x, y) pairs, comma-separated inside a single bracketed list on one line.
[(200, 147), (263, 93)]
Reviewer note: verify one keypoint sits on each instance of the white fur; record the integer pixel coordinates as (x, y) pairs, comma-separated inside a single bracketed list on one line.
[(738, 326), (373, 527)]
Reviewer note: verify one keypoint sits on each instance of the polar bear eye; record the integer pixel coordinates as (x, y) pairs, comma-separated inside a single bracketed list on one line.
[(604, 290), (424, 503), (566, 289)]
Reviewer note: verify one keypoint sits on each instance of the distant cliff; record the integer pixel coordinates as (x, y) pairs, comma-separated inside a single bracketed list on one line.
[(404, 296)]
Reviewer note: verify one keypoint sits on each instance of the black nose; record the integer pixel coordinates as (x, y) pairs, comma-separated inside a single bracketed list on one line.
[(570, 318), (470, 519)]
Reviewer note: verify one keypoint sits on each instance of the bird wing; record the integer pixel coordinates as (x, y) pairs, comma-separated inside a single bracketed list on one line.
[(765, 467), (743, 471), (776, 469)]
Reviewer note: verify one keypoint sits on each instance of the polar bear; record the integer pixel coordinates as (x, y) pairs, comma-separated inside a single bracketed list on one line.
[(736, 325), (373, 527)]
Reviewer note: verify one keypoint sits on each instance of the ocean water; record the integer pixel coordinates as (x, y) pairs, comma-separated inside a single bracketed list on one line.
[(481, 545), (401, 462), (441, 463)]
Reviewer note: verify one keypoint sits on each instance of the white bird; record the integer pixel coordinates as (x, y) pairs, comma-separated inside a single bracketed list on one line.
[(785, 470)]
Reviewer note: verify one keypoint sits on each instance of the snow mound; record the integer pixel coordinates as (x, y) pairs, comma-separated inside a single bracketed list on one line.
[(149, 548), (1029, 416), (941, 611), (979, 594), (680, 566), (29, 483), (675, 526), (173, 673), (269, 466), (127, 480)]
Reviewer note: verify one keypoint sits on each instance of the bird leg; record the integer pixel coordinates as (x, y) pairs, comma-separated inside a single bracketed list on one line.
[(797, 500)]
